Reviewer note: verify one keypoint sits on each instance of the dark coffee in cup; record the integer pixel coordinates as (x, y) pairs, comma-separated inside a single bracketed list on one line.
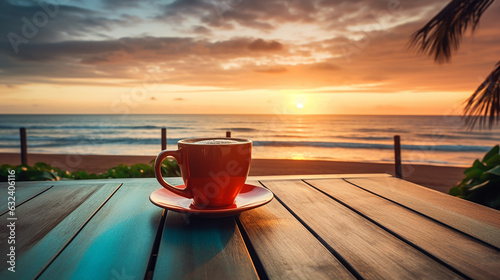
[(216, 142)]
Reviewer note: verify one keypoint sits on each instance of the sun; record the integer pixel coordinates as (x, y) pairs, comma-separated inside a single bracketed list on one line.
[(300, 105)]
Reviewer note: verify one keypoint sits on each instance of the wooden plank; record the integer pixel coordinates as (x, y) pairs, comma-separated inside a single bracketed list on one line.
[(144, 181), (370, 250), (39, 216), (48, 222), (196, 248), (23, 192), (286, 249), (116, 242), (315, 176), (460, 251), (109, 181), (474, 219), (178, 180)]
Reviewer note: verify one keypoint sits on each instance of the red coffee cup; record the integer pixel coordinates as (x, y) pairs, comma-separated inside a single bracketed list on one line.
[(213, 169)]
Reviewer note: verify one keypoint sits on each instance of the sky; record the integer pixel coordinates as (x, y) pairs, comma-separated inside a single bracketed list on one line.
[(233, 57)]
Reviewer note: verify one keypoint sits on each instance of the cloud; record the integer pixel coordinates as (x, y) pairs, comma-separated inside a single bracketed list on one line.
[(119, 58), (198, 29), (145, 48), (325, 66), (381, 64), (113, 4), (256, 14), (276, 70), (179, 99), (264, 15), (360, 43), (39, 22), (261, 45)]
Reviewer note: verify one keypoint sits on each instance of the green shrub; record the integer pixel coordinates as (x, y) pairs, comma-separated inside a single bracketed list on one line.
[(169, 168), (44, 172), (38, 172), (482, 181)]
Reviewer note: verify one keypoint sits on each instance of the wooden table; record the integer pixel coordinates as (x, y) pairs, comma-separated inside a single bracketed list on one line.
[(369, 226)]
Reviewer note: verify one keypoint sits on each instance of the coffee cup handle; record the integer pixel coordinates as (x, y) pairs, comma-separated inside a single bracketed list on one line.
[(159, 159)]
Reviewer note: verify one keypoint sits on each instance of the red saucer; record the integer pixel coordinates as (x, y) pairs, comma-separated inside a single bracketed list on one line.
[(249, 197)]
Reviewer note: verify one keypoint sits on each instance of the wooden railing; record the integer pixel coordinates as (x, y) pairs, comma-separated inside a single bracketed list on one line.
[(397, 148)]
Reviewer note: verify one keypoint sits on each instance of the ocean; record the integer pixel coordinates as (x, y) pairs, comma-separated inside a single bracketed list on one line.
[(436, 140)]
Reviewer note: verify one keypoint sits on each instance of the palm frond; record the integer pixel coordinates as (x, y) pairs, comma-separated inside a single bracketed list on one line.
[(483, 105), (442, 34)]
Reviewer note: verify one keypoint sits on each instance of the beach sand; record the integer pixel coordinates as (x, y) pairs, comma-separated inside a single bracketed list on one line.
[(440, 178)]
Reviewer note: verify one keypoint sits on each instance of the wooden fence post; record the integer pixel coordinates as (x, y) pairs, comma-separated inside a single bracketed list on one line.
[(163, 139), (397, 156), (24, 146), (228, 133)]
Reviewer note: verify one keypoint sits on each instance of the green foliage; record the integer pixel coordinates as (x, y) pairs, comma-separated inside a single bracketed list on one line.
[(45, 172), (169, 168), (482, 181), (39, 171)]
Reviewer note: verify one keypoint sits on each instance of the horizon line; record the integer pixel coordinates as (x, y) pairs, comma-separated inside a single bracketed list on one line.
[(257, 114)]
